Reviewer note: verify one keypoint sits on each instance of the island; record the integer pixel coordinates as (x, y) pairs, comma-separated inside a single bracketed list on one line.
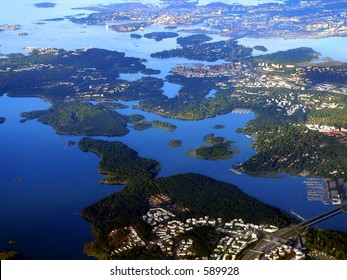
[(135, 36), (293, 56), (45, 5), (226, 50), (159, 36), (175, 143), (119, 163), (10, 255), (221, 149), (260, 48), (139, 122), (193, 40), (2, 120), (81, 118), (150, 71), (71, 143), (218, 126), (163, 125)]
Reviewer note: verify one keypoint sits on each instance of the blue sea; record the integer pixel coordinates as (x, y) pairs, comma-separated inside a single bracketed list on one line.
[(41, 212)]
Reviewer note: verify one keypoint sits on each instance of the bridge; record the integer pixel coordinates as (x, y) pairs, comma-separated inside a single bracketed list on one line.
[(316, 219), (268, 242)]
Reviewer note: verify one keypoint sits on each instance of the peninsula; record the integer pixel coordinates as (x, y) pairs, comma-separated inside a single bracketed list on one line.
[(119, 163), (156, 219)]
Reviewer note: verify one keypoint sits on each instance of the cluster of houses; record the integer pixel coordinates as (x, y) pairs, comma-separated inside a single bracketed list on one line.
[(235, 69), (285, 251), (170, 235), (132, 240), (237, 234)]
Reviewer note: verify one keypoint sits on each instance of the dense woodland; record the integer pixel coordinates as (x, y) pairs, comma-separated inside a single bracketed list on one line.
[(175, 143), (227, 50), (215, 152), (293, 56), (331, 242), (163, 125), (220, 149), (118, 162), (201, 195), (336, 117), (159, 36), (192, 40), (294, 149), (81, 118)]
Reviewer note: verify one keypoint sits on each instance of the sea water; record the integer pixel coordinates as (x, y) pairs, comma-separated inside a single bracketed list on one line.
[(40, 211)]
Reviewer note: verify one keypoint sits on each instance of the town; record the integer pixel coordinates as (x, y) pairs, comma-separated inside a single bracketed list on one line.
[(293, 19), (237, 236)]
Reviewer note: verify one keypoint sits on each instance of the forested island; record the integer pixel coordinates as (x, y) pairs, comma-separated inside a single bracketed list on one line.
[(45, 5), (226, 50), (293, 56), (81, 118), (159, 36), (221, 149), (175, 143), (163, 125), (193, 40), (119, 163), (135, 36), (260, 48), (218, 126)]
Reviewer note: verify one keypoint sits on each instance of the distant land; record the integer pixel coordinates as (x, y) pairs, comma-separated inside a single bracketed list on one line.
[(159, 36), (45, 5), (230, 20), (175, 143), (282, 89)]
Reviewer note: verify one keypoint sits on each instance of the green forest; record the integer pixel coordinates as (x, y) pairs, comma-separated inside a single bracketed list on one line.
[(118, 162), (294, 149), (331, 242), (201, 195), (81, 118), (336, 117), (175, 143), (293, 56), (227, 50)]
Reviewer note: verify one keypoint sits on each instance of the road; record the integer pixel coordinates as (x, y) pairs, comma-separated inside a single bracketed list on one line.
[(269, 242)]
